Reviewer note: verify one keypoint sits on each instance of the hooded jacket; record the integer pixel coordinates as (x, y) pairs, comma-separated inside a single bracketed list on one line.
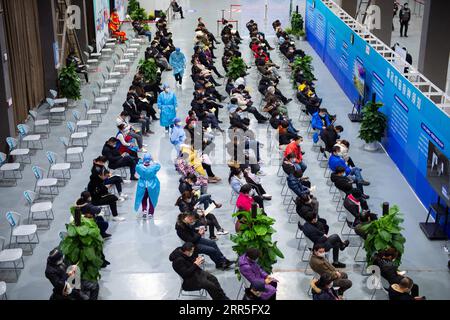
[(319, 294), (184, 265), (186, 232), (112, 154)]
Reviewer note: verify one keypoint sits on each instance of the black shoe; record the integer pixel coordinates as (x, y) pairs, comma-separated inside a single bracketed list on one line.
[(219, 121), (222, 266), (213, 238), (106, 235), (133, 178), (365, 196), (262, 120), (365, 183), (220, 76), (345, 245), (229, 263), (288, 100), (105, 264), (338, 265), (217, 42), (155, 118)]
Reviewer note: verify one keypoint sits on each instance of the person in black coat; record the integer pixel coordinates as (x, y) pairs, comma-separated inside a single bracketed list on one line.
[(345, 183), (56, 272), (91, 211), (317, 233), (306, 205), (322, 289), (403, 291), (186, 264), (330, 135), (117, 160), (186, 231), (357, 206)]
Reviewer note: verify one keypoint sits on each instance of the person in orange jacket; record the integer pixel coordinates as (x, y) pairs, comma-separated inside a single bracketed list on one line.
[(295, 147), (114, 26)]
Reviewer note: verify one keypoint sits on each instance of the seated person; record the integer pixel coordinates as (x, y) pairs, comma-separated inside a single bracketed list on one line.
[(306, 205), (189, 202), (58, 274), (298, 184), (90, 211), (141, 31), (188, 233), (116, 159), (289, 166), (321, 120), (245, 200), (385, 259), (284, 136), (403, 291), (255, 182), (357, 206), (345, 183), (330, 135), (109, 180), (251, 270), (114, 27), (237, 181), (337, 161), (345, 145), (295, 147), (322, 289), (187, 264), (255, 291), (320, 265), (101, 196), (123, 118), (317, 233)]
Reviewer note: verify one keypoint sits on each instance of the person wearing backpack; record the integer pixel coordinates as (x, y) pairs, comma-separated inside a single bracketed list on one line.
[(405, 16)]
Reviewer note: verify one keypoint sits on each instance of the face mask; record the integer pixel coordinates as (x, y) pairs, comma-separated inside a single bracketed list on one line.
[(60, 261), (299, 144), (89, 200), (188, 200), (192, 223), (190, 253), (127, 119), (166, 89), (322, 255)]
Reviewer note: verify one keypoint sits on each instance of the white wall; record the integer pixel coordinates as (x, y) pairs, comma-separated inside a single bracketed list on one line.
[(151, 5)]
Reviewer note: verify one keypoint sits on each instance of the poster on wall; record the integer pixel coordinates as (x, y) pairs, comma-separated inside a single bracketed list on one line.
[(120, 6), (101, 16), (359, 75)]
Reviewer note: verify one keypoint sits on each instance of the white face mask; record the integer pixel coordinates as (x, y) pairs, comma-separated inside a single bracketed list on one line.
[(321, 254), (166, 89), (190, 253)]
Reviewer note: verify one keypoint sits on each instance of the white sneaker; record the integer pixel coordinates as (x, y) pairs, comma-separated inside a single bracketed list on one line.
[(261, 173), (222, 232), (123, 195), (143, 150), (144, 215), (144, 145), (118, 218), (121, 199), (126, 181), (312, 189)]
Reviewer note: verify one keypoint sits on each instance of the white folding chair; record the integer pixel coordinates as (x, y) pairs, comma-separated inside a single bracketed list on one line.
[(202, 293), (244, 285), (113, 74), (57, 100), (92, 112), (113, 83), (25, 136), (56, 113), (8, 256), (72, 151), (36, 208), (21, 154), (39, 123), (81, 123), (92, 54), (105, 90), (76, 136), (9, 167), (19, 230), (44, 183), (101, 100), (55, 166)]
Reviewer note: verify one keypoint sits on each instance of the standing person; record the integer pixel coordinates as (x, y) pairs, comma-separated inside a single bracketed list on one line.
[(167, 104), (177, 135), (405, 16), (148, 186), (178, 62)]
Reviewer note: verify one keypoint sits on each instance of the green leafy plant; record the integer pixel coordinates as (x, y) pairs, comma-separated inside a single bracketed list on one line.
[(257, 233), (146, 27), (305, 65), (385, 233), (132, 6), (139, 14), (373, 124), (296, 22), (151, 16), (83, 246), (236, 68), (149, 70), (69, 83)]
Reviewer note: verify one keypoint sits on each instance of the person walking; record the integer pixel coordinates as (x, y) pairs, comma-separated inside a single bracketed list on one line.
[(167, 104), (148, 186), (405, 16), (177, 135), (178, 62)]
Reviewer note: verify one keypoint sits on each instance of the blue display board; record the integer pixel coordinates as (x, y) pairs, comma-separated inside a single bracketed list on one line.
[(414, 120)]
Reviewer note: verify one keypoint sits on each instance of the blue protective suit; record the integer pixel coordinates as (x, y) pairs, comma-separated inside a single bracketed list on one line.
[(177, 137), (167, 104), (178, 62), (147, 180)]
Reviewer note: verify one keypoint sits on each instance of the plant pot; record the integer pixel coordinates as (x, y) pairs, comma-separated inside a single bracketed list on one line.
[(302, 38), (372, 146), (297, 37), (71, 103)]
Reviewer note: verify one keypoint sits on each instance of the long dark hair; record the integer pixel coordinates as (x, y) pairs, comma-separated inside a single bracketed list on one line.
[(233, 172)]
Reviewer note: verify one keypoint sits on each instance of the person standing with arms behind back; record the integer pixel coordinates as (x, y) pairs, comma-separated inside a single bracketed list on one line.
[(167, 104), (148, 186), (178, 62), (405, 16)]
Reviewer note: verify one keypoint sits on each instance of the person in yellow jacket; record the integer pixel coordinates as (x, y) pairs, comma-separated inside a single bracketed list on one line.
[(193, 159)]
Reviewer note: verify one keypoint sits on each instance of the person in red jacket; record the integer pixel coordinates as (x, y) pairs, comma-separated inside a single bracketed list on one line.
[(295, 147), (245, 200)]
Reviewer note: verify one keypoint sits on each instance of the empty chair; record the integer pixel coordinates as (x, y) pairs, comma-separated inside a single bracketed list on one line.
[(101, 100), (72, 151), (92, 112), (105, 90), (20, 231), (76, 136), (89, 60), (128, 55), (11, 256), (39, 123), (114, 83), (113, 74), (81, 123), (55, 111), (92, 54), (21, 154), (54, 95), (6, 167), (38, 208), (55, 166), (25, 136), (44, 183), (125, 60), (120, 67)]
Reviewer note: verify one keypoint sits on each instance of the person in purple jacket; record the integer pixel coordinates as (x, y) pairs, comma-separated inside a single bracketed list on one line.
[(251, 271)]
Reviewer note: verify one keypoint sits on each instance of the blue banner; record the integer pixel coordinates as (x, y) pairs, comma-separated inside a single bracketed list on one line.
[(413, 119)]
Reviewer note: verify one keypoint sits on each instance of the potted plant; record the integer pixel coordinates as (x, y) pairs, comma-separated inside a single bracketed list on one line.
[(69, 84), (132, 6), (237, 68), (138, 14), (305, 65), (149, 70), (83, 246), (373, 125), (302, 35), (256, 232), (151, 16), (297, 24), (385, 233)]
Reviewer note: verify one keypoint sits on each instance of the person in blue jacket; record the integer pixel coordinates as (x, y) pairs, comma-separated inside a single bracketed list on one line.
[(320, 121), (177, 135), (337, 161), (148, 186), (178, 62), (167, 104), (295, 184)]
